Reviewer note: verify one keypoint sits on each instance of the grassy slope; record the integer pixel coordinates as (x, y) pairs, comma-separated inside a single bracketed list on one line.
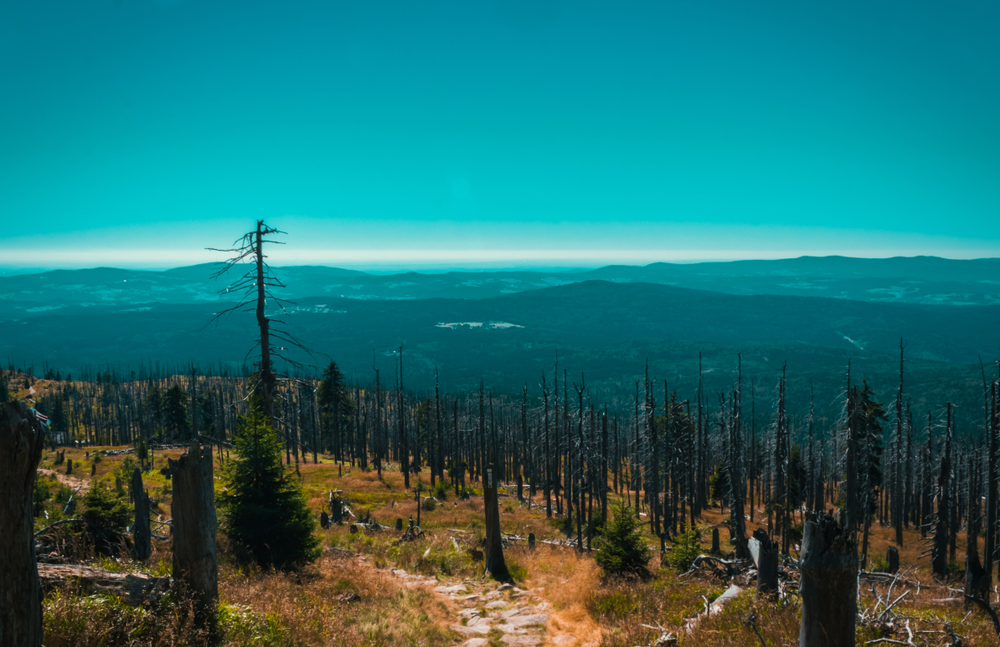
[(311, 608)]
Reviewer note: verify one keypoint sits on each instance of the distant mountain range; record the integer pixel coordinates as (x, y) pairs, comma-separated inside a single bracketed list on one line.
[(506, 328), (926, 280)]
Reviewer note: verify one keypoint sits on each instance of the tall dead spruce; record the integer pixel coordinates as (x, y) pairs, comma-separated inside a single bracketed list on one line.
[(254, 289), (21, 442)]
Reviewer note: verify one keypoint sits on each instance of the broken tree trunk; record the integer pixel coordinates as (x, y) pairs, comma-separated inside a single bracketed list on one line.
[(495, 564), (828, 570), (21, 443), (141, 536), (767, 563), (195, 564)]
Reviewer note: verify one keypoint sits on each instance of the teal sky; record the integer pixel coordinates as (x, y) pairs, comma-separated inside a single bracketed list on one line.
[(421, 133)]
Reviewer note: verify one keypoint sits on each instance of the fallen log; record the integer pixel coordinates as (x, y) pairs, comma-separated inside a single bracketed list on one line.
[(134, 588)]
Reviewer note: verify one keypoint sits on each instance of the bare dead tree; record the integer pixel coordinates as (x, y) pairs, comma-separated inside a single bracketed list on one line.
[(254, 289)]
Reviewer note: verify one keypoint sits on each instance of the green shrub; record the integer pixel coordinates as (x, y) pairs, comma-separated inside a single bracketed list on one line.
[(686, 549), (429, 504), (878, 564), (622, 551), (441, 490)]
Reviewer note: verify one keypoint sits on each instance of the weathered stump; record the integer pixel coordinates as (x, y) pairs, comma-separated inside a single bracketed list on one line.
[(892, 559), (495, 564), (715, 542), (531, 539), (324, 520), (93, 470), (399, 524), (141, 535), (22, 440), (195, 563), (828, 570), (336, 509), (69, 466), (767, 564)]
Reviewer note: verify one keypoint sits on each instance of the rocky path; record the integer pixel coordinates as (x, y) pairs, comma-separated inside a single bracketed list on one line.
[(518, 617)]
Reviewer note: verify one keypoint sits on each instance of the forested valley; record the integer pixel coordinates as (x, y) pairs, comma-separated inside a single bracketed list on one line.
[(305, 506)]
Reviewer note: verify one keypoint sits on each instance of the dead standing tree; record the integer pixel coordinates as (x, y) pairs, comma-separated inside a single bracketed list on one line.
[(21, 442), (254, 288)]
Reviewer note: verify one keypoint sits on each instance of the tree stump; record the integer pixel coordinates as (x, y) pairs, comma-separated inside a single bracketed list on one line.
[(336, 510), (324, 520), (828, 570), (495, 564), (22, 440), (69, 466), (93, 470), (892, 558), (141, 535), (195, 563), (399, 524), (767, 564), (531, 540), (715, 541)]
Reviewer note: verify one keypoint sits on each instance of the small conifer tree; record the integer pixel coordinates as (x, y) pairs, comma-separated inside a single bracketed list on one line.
[(621, 551), (264, 508)]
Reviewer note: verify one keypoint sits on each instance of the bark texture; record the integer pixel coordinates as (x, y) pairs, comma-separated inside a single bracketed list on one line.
[(495, 564), (195, 563), (767, 564), (828, 585), (21, 442), (141, 535)]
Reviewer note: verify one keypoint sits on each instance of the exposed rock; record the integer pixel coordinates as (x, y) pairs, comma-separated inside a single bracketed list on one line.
[(530, 619), (496, 604), (526, 640), (458, 588)]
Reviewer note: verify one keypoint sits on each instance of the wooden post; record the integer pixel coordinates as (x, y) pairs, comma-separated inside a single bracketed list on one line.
[(193, 508), (141, 535), (828, 584), (21, 443)]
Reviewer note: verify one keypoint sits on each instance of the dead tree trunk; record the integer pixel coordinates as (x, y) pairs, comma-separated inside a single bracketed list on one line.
[(828, 584), (495, 564), (977, 578), (21, 443), (195, 564), (767, 564), (942, 531), (141, 536)]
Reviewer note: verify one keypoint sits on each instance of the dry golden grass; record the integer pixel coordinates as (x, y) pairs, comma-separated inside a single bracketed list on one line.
[(315, 606)]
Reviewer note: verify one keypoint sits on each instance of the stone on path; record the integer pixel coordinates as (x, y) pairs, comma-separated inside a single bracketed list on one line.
[(475, 626), (458, 588), (532, 619), (476, 642), (526, 640), (510, 629)]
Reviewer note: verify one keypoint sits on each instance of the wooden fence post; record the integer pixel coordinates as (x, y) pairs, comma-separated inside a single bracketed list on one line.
[(193, 508), (21, 443)]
